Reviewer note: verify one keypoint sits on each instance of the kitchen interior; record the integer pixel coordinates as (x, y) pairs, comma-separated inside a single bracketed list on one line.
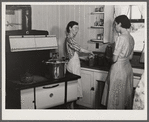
[(36, 75)]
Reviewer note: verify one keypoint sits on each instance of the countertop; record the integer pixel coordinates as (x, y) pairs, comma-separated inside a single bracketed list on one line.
[(103, 68), (40, 81), (106, 68)]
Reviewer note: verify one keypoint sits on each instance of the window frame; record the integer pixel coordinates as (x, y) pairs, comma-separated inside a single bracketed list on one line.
[(135, 20)]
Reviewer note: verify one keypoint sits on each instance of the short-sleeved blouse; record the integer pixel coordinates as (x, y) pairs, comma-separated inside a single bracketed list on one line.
[(124, 46)]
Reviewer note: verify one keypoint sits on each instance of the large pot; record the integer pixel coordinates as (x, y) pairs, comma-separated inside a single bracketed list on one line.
[(56, 69), (100, 60)]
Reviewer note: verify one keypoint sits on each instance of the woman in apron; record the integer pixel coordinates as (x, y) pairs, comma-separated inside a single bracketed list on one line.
[(118, 90), (72, 50)]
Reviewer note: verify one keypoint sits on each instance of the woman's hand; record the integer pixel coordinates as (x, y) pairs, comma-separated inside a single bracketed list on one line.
[(92, 53), (86, 51)]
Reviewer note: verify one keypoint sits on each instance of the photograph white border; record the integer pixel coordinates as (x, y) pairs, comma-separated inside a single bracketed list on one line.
[(70, 114)]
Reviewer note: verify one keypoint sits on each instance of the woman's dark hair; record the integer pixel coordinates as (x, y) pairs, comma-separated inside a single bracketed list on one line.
[(123, 19), (70, 24)]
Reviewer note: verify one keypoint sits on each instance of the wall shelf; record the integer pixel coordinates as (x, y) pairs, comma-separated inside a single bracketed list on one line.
[(97, 13), (97, 26), (96, 40), (104, 18)]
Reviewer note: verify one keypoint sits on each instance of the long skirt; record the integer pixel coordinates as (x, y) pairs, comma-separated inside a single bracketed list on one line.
[(118, 90)]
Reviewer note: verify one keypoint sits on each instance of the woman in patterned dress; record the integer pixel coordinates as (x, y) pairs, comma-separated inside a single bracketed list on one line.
[(72, 51), (138, 102), (118, 90)]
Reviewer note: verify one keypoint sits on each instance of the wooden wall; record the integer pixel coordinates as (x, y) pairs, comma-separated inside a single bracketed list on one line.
[(54, 18)]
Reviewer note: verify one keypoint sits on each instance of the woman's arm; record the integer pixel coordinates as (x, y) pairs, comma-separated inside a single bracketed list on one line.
[(130, 57), (114, 59), (86, 51), (75, 46)]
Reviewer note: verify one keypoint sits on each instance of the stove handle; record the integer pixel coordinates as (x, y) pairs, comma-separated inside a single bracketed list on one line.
[(49, 87)]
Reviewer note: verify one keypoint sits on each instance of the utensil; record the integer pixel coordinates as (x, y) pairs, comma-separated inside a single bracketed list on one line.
[(56, 68)]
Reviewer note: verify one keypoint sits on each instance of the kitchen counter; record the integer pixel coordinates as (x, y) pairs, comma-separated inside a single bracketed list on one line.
[(135, 63), (104, 68), (40, 81), (84, 65)]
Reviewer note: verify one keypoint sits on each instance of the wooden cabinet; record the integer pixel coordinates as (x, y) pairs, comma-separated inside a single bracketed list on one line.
[(103, 21), (91, 90), (93, 82), (99, 82), (88, 89), (27, 99)]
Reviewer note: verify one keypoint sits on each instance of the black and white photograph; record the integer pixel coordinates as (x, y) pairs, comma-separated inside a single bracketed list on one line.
[(74, 61)]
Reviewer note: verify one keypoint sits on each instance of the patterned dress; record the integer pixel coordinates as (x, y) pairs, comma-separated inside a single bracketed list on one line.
[(138, 103), (118, 90), (71, 47), (72, 50)]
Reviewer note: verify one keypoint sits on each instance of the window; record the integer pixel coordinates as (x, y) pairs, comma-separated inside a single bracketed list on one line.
[(135, 15)]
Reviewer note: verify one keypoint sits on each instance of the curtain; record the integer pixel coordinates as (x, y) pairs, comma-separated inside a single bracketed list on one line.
[(121, 9), (141, 8), (138, 101)]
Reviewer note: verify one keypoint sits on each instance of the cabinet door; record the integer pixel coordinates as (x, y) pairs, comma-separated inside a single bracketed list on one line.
[(88, 89), (27, 99), (99, 82), (99, 76), (50, 95)]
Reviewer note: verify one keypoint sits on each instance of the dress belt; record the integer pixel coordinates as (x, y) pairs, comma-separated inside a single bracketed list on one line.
[(123, 60)]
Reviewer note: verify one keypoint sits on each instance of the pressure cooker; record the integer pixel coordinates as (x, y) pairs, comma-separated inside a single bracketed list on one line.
[(56, 68)]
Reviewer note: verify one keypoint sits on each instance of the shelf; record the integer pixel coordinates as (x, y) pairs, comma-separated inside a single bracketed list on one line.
[(97, 13), (96, 40), (97, 27)]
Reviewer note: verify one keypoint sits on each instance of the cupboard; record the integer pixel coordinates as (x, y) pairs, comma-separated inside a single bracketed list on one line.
[(91, 94), (93, 85)]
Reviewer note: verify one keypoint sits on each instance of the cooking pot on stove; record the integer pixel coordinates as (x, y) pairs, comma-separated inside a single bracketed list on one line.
[(56, 69)]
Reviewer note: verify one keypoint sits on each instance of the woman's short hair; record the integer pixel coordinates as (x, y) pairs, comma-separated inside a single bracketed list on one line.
[(123, 19), (71, 24)]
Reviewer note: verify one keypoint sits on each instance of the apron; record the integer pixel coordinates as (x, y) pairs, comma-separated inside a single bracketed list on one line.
[(74, 67)]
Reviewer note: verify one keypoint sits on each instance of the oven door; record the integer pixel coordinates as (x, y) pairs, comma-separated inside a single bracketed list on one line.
[(50, 95)]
